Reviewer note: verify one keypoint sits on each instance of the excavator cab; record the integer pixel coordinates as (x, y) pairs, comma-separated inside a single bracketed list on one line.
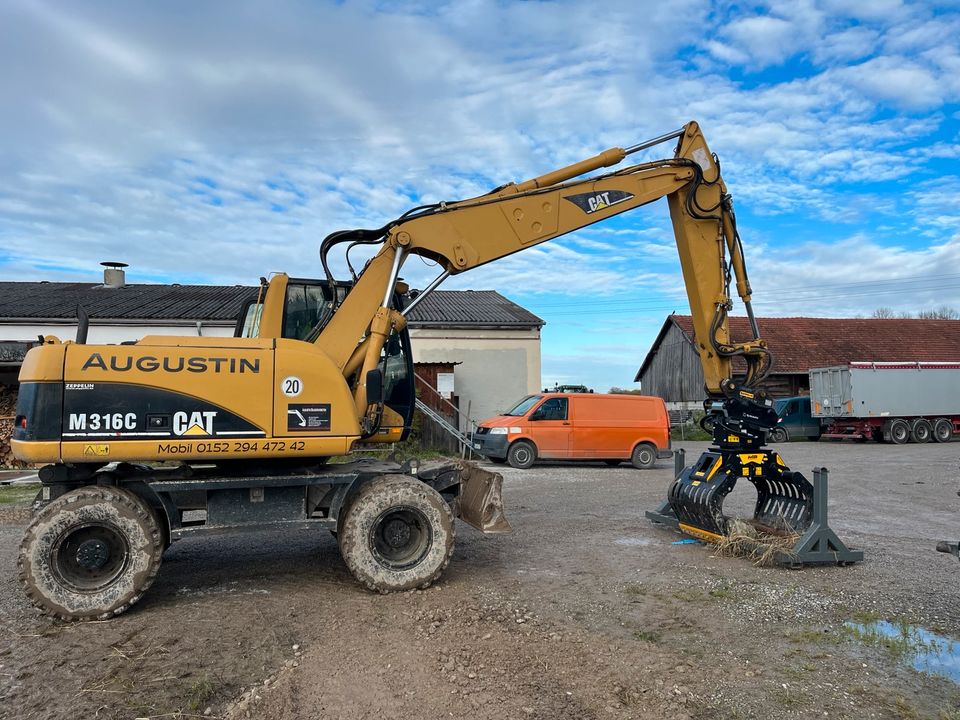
[(306, 307)]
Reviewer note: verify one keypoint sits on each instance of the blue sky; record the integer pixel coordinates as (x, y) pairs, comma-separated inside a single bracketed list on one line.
[(205, 142)]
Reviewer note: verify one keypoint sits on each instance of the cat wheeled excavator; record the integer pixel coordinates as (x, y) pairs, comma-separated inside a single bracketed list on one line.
[(147, 442)]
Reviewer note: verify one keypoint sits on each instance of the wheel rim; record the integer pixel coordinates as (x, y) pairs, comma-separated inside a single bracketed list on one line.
[(644, 457), (90, 557), (401, 537), (521, 455), (900, 432)]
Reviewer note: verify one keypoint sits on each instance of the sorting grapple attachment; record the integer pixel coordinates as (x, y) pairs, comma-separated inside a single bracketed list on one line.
[(784, 498)]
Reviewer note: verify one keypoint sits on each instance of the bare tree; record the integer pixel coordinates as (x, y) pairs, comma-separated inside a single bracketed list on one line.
[(944, 312), (883, 313)]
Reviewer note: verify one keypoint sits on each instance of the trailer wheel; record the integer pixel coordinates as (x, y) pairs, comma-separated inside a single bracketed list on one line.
[(899, 431), (522, 455), (644, 456), (922, 431), (91, 553), (397, 534), (778, 435), (942, 430)]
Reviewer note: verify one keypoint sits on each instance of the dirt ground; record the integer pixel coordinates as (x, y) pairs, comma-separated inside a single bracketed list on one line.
[(586, 611)]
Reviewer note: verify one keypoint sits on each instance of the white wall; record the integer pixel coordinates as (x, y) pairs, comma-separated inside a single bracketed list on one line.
[(497, 367), (110, 334)]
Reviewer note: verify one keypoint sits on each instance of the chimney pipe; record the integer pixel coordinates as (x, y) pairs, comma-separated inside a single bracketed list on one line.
[(113, 274)]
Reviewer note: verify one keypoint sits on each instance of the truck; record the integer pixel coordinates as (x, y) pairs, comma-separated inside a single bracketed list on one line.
[(796, 420), (894, 402), (170, 437)]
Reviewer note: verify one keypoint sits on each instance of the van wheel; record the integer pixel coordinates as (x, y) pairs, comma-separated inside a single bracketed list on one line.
[(522, 454), (778, 435), (644, 456)]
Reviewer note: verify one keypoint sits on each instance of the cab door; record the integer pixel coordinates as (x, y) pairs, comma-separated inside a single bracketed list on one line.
[(551, 428)]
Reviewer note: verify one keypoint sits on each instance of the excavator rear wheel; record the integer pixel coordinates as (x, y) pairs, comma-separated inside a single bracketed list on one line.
[(397, 534), (91, 553)]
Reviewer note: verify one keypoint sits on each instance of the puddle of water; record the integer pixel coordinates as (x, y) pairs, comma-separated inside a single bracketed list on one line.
[(927, 652), (633, 541)]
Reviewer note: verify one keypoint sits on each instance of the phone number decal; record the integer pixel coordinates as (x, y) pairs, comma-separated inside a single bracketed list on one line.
[(223, 446)]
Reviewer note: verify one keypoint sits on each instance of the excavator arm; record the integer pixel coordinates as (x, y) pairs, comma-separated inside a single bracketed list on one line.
[(466, 234), (470, 233)]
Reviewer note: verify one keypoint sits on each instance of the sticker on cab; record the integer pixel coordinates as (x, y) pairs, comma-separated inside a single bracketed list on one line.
[(302, 416), (291, 386)]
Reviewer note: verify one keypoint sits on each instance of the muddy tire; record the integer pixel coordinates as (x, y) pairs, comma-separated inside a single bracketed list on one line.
[(778, 435), (397, 534), (522, 455), (644, 456), (942, 430), (91, 553)]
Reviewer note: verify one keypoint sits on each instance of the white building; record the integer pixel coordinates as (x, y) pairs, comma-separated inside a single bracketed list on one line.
[(491, 344)]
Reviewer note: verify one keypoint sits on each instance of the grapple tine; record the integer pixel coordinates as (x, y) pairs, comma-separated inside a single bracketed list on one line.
[(784, 498)]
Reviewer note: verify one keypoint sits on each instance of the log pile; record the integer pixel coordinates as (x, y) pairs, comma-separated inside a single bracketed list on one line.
[(8, 408)]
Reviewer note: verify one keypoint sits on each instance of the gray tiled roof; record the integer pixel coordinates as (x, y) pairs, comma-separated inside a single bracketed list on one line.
[(471, 308), (59, 301)]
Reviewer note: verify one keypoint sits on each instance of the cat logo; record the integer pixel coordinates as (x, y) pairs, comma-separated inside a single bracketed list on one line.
[(193, 424), (592, 202)]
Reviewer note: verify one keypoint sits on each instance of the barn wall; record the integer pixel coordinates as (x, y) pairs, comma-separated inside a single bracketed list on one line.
[(674, 373)]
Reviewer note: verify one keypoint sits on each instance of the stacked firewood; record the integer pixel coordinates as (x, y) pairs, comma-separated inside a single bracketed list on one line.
[(8, 408)]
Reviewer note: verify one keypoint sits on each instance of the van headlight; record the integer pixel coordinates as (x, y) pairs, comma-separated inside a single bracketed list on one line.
[(498, 431)]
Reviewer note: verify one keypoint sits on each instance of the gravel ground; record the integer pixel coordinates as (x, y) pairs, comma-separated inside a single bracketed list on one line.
[(586, 611)]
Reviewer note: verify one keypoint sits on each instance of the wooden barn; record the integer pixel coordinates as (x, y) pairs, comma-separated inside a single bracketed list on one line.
[(671, 369)]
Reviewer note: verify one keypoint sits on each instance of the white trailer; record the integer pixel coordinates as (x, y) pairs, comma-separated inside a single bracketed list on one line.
[(894, 402)]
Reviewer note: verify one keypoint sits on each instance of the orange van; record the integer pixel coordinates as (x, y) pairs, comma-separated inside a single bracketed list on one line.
[(578, 426)]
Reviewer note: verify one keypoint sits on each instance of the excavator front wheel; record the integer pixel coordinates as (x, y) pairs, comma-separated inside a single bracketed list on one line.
[(397, 534), (91, 553)]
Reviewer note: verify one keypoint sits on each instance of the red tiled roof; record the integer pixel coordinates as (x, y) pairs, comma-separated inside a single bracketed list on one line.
[(801, 343)]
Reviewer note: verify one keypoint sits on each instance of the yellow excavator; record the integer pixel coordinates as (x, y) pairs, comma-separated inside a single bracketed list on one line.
[(242, 427)]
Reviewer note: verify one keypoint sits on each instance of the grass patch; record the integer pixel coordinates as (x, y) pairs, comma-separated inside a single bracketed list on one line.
[(634, 590), (646, 636), (744, 540), (18, 494), (201, 691)]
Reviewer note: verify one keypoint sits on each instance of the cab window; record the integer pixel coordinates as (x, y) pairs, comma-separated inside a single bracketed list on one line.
[(551, 409), (307, 307)]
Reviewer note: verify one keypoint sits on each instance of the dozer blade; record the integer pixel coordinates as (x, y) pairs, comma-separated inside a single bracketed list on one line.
[(480, 502), (784, 498)]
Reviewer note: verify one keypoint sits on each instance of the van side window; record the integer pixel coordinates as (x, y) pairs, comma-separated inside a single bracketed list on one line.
[(553, 409)]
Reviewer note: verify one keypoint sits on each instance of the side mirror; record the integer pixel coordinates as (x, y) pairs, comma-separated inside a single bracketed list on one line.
[(374, 385)]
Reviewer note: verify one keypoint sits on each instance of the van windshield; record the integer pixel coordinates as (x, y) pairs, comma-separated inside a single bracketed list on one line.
[(522, 407)]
